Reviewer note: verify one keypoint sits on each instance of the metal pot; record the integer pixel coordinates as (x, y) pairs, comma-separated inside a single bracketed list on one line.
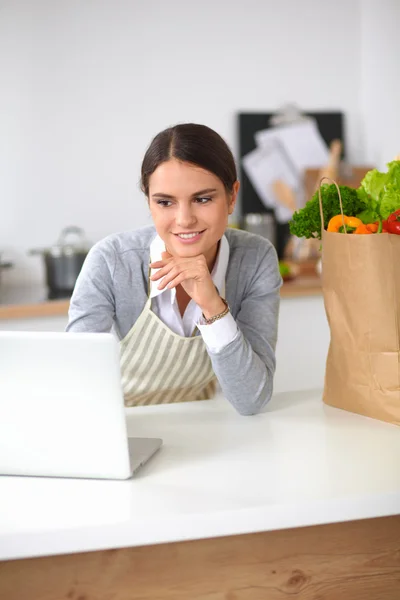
[(64, 261), (261, 224)]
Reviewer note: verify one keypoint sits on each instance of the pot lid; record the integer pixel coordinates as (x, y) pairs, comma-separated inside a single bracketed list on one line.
[(72, 240)]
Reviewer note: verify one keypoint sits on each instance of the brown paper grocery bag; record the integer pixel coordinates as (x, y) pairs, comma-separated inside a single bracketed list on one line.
[(361, 288)]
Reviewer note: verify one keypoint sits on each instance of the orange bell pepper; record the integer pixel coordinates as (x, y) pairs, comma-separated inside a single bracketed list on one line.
[(367, 229), (336, 223)]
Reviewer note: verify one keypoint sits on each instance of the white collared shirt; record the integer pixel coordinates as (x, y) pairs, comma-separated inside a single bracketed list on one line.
[(165, 305)]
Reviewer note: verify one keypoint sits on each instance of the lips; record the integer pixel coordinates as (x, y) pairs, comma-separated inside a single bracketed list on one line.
[(189, 237), (188, 234)]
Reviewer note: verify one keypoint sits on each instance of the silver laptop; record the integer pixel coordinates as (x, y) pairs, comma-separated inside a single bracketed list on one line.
[(61, 408)]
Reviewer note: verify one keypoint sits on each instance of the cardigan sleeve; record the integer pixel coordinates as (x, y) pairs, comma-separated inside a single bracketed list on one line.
[(245, 368), (92, 306)]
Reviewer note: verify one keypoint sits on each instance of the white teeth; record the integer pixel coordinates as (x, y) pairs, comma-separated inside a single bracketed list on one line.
[(187, 236)]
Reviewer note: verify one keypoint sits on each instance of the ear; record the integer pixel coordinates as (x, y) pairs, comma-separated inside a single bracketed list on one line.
[(233, 197)]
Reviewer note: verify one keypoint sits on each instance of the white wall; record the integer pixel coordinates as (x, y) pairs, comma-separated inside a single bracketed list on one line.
[(85, 84), (380, 79)]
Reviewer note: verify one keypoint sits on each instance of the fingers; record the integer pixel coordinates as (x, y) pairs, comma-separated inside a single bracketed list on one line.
[(169, 269), (174, 274), (157, 265), (163, 270), (177, 280)]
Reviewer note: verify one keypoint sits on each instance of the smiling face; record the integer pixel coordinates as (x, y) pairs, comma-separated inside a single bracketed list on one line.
[(190, 208)]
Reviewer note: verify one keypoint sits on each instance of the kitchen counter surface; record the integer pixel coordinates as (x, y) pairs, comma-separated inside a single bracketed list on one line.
[(303, 285), (22, 302), (300, 463), (25, 302)]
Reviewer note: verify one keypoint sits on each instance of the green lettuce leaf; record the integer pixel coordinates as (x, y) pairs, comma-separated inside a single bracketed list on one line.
[(363, 196), (393, 174), (380, 192), (370, 212), (390, 200), (373, 183), (368, 216)]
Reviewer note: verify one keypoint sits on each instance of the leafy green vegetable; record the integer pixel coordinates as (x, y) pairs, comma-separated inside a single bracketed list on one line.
[(284, 269), (373, 183), (390, 200), (381, 193), (394, 173), (362, 194), (307, 221), (371, 213)]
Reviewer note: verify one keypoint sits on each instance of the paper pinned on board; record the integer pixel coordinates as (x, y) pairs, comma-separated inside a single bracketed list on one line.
[(264, 166), (302, 143)]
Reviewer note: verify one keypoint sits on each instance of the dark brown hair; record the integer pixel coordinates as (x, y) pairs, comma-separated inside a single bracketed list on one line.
[(196, 144)]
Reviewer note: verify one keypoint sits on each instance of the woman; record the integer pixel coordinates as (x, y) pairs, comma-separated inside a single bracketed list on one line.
[(191, 301)]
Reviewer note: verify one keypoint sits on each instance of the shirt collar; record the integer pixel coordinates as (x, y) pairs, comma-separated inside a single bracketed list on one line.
[(218, 274)]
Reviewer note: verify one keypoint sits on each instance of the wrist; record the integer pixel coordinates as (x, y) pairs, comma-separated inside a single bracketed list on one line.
[(213, 308)]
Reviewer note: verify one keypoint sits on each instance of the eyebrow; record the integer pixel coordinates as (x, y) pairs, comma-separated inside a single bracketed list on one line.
[(199, 193)]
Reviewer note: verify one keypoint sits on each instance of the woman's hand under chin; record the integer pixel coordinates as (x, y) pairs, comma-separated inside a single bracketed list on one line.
[(194, 277)]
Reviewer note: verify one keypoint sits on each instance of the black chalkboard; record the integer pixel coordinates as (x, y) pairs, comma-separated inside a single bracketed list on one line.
[(331, 127)]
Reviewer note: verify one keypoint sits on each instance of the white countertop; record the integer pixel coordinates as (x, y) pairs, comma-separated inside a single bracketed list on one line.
[(299, 463)]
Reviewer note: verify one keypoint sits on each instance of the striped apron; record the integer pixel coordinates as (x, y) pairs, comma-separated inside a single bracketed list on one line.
[(159, 366)]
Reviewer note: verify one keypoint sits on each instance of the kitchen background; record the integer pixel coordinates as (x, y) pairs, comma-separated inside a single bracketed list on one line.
[(85, 84)]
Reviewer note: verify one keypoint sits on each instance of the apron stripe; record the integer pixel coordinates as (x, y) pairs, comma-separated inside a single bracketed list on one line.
[(152, 357), (165, 376), (128, 343), (181, 365), (137, 355), (192, 378)]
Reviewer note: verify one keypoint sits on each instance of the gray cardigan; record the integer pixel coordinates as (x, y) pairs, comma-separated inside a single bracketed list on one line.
[(111, 290)]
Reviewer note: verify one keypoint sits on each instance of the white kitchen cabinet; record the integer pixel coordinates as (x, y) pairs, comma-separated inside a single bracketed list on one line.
[(303, 341)]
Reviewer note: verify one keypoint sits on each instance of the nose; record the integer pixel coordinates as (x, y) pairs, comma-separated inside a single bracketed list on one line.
[(185, 216)]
